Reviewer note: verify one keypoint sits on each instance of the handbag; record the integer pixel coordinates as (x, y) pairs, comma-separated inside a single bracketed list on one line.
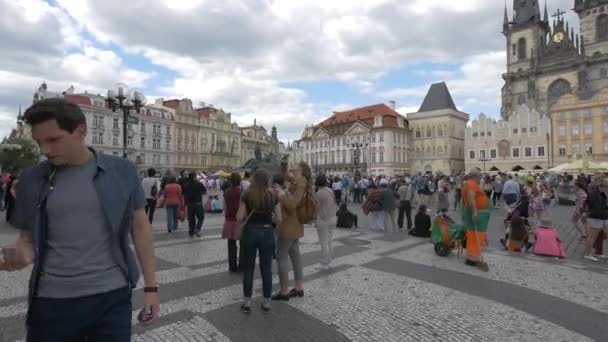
[(160, 202)]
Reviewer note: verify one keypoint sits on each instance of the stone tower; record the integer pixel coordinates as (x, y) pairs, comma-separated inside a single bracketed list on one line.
[(546, 59)]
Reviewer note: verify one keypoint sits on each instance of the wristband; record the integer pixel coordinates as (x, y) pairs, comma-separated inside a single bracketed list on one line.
[(151, 289)]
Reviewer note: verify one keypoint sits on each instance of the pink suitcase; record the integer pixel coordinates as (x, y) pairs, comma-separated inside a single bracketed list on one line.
[(548, 243)]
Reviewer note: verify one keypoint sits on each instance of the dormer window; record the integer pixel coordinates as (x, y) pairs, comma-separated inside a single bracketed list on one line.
[(378, 121)]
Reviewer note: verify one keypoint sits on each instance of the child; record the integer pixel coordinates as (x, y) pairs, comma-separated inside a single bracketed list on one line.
[(346, 219), (422, 223), (216, 205)]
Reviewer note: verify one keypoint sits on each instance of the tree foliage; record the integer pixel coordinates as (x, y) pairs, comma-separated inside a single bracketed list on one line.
[(14, 159)]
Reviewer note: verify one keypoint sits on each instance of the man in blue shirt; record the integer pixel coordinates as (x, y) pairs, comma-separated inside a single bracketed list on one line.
[(74, 212)]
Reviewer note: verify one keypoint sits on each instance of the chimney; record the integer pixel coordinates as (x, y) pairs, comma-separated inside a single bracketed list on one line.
[(392, 104)]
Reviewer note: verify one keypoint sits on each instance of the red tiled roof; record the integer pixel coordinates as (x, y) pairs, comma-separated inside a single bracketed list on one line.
[(78, 99), (171, 104), (205, 111), (365, 114)]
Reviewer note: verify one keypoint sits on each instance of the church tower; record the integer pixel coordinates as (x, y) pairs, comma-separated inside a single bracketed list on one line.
[(593, 15), (525, 34)]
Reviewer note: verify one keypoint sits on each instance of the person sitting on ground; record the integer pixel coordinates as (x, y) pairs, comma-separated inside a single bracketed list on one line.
[(422, 223), (518, 236), (346, 218)]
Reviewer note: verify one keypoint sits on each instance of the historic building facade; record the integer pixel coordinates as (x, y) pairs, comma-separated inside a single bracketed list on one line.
[(522, 143), (546, 61), (254, 137), (580, 127), (372, 140), (187, 145), (438, 133), (220, 140)]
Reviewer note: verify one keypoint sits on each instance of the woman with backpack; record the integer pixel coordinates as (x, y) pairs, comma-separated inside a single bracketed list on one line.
[(297, 203)]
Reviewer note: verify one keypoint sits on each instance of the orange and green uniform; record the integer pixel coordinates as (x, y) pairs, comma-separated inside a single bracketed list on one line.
[(476, 232)]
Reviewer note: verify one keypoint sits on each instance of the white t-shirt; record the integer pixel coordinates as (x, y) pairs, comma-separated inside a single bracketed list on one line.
[(337, 185), (147, 184), (245, 185)]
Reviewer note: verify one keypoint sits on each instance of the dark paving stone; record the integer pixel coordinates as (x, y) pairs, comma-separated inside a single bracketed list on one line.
[(209, 264), (575, 317), (283, 323), (162, 265), (12, 301), (404, 248), (174, 317), (349, 241), (392, 237), (195, 286), (189, 242)]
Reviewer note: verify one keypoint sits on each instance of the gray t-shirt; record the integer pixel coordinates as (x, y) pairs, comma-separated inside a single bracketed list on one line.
[(78, 260)]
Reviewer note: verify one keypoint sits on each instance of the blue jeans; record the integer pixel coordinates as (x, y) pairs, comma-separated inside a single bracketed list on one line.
[(172, 217), (104, 317), (256, 238)]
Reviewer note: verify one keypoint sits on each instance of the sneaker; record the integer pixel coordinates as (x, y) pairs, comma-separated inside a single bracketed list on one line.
[(246, 307), (591, 258), (280, 296), (266, 304), (602, 256)]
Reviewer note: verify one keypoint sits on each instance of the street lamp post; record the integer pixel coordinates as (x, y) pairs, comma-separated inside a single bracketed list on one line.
[(126, 100), (484, 161), (357, 153)]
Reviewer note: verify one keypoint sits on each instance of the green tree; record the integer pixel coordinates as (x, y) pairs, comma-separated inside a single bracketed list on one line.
[(17, 154)]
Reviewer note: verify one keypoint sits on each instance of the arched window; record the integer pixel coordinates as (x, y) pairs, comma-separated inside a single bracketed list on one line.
[(521, 48), (602, 26), (557, 89)]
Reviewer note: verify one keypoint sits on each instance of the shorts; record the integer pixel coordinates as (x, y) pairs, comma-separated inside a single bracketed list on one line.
[(597, 223)]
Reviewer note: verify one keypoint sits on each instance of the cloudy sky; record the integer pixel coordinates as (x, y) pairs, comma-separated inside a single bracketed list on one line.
[(284, 62)]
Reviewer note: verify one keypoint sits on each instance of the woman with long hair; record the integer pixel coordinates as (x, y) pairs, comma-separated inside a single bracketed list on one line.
[(579, 216), (326, 219), (255, 212), (232, 229), (290, 230)]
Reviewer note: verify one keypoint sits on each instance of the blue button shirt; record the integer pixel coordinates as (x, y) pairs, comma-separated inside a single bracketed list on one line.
[(118, 187)]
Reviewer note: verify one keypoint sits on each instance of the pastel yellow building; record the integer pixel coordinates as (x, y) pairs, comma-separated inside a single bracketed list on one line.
[(580, 127)]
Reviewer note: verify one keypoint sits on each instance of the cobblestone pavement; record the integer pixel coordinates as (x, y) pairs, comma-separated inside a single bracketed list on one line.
[(382, 287)]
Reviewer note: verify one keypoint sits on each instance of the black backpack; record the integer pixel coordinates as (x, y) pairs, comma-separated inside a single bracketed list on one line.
[(154, 189)]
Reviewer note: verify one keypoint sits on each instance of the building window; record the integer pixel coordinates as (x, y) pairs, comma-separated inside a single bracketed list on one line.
[(143, 127), (527, 152), (605, 126), (418, 136), (98, 138), (381, 156), (471, 155), (168, 145), (540, 151), (439, 131), (521, 49), (588, 129), (576, 149), (493, 153), (482, 154), (515, 152), (130, 141), (115, 140), (587, 113), (562, 131), (344, 157), (602, 27), (575, 130), (168, 130), (562, 150), (429, 133), (115, 124), (562, 115), (524, 130), (574, 115), (142, 143), (483, 134), (532, 129), (333, 157), (373, 137), (515, 131), (381, 137), (373, 156), (606, 147), (475, 135)]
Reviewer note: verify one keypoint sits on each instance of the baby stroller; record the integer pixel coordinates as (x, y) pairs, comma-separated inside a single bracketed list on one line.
[(519, 209), (446, 235)]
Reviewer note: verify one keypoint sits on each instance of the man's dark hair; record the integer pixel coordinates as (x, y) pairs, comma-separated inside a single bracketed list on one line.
[(68, 115), (151, 172), (235, 179), (191, 176), (321, 181), (247, 174)]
